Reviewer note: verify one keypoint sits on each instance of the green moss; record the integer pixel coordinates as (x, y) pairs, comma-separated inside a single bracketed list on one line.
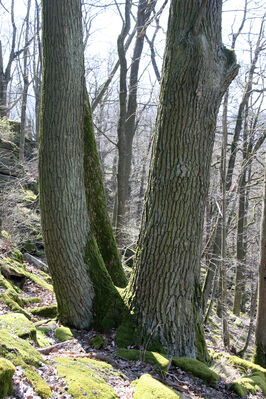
[(147, 387), (38, 383), (260, 355), (30, 300), (41, 338), (7, 370), (19, 325), (85, 377), (108, 304), (154, 358), (7, 284), (63, 334), (96, 203), (249, 384), (127, 334), (197, 368), (16, 255), (10, 298), (18, 350), (97, 342), (45, 311), (244, 365), (16, 266)]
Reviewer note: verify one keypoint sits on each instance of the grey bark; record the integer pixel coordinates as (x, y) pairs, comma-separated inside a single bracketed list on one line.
[(65, 222), (197, 71)]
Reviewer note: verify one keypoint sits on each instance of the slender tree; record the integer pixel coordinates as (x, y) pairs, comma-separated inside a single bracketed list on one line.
[(84, 289), (197, 70), (260, 336)]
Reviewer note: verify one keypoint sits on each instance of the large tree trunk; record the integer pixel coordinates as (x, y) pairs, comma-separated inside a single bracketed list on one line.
[(82, 285), (260, 336), (197, 70)]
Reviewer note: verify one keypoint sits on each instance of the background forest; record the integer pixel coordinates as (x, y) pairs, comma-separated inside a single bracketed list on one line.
[(123, 45)]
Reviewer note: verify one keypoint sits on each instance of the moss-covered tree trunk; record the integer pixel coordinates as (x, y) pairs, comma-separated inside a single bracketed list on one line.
[(97, 207), (260, 336), (164, 290), (84, 290)]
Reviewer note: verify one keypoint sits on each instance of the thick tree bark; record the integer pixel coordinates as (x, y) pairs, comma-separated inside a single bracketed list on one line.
[(197, 70), (83, 287), (260, 336)]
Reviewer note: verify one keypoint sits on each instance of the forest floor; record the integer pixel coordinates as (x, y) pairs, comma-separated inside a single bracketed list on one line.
[(79, 346)]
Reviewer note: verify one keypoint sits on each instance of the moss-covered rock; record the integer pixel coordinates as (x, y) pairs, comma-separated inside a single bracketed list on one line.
[(45, 311), (250, 384), (19, 325), (85, 377), (16, 267), (16, 255), (63, 334), (38, 383), (41, 337), (17, 350), (243, 365), (7, 370), (197, 368), (154, 358), (97, 342), (147, 387)]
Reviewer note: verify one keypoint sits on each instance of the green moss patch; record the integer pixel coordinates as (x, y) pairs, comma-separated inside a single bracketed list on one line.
[(12, 300), (197, 368), (30, 300), (250, 384), (17, 350), (45, 311), (19, 325), (97, 342), (154, 358), (6, 373), (243, 365), (86, 377), (147, 387), (41, 338), (38, 383), (63, 334)]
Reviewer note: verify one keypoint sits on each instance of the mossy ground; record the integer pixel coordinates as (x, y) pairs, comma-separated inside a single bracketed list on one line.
[(17, 350), (85, 377), (63, 334), (19, 325), (7, 370), (250, 384), (38, 383), (146, 387), (154, 358)]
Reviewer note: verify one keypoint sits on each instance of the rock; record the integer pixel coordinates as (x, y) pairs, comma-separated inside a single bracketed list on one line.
[(148, 387), (7, 370), (63, 334), (19, 325)]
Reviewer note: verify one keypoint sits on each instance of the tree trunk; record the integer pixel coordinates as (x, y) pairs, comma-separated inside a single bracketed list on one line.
[(260, 336), (83, 287), (97, 206), (26, 84), (197, 70)]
